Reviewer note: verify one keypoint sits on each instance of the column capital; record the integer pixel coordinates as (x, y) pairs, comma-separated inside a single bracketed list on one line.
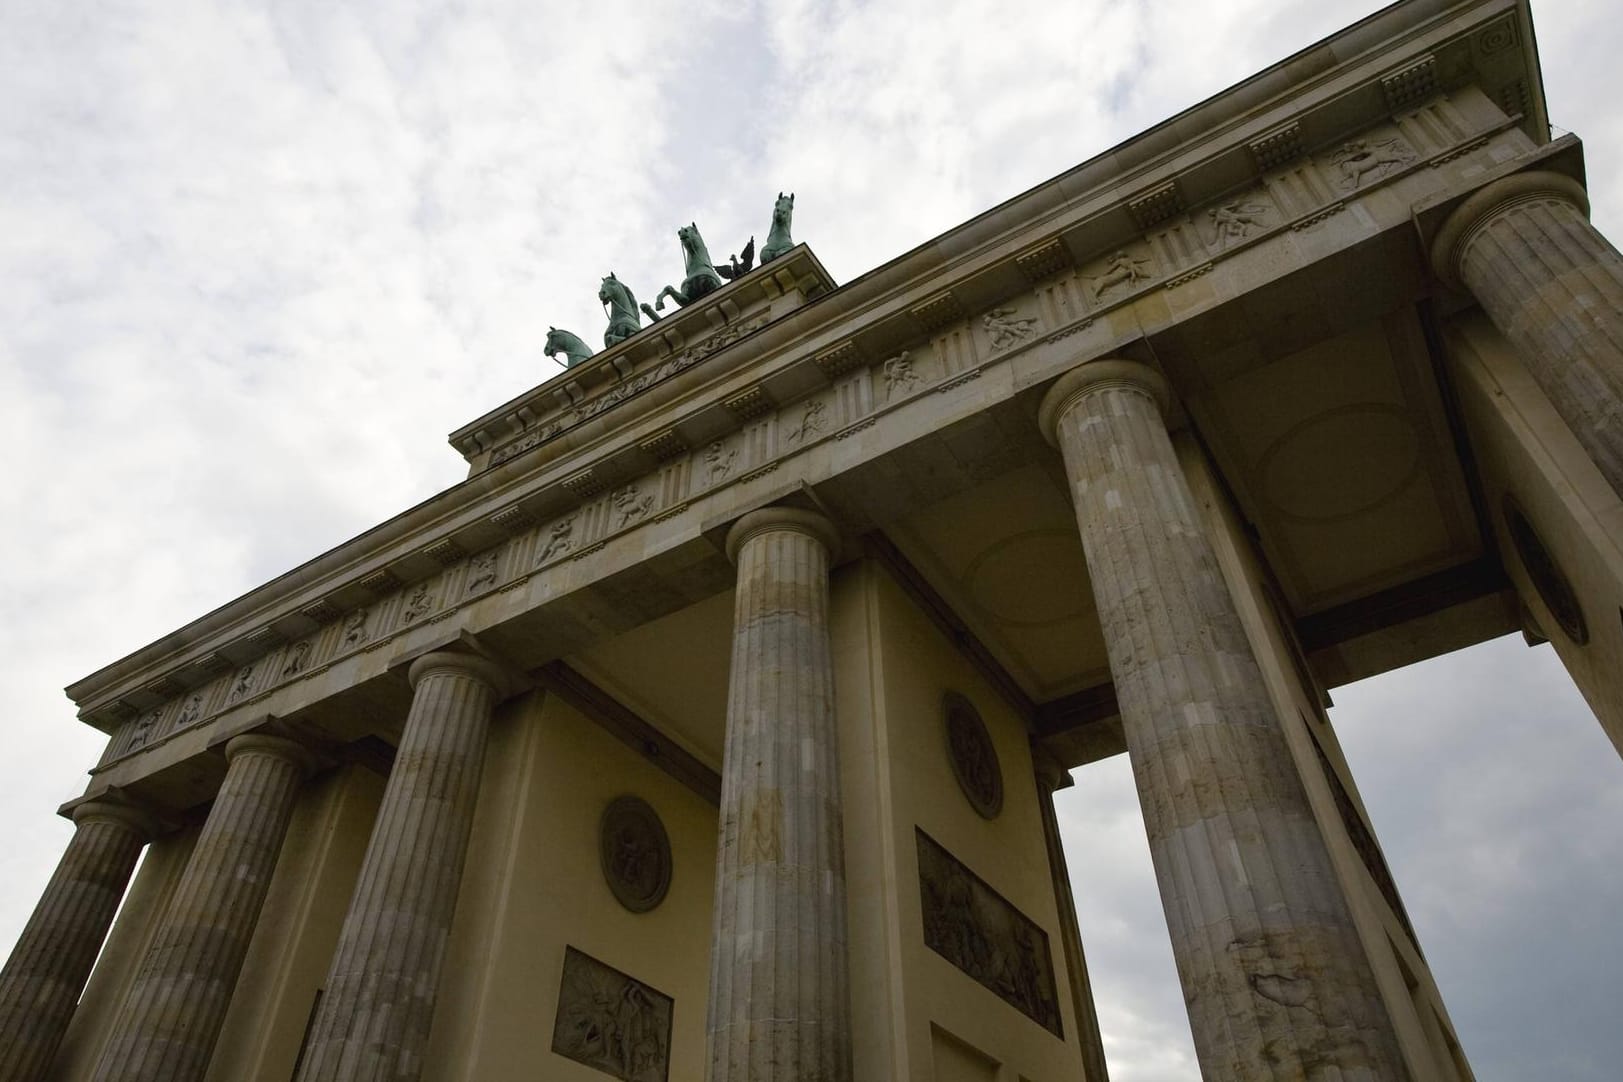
[(1092, 376), (110, 809), (462, 664), (793, 519), (266, 744), (1486, 203)]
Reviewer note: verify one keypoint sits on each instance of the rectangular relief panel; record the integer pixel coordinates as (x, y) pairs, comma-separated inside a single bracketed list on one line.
[(612, 1022), (979, 931)]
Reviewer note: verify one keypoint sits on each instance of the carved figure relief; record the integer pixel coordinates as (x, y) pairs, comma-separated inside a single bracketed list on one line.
[(559, 541), (482, 571), (718, 461), (813, 419), (976, 929), (190, 712), (1235, 221), (973, 757), (1121, 270), (612, 1022), (1362, 160), (899, 374), (1006, 327), (631, 504), (1551, 583), (242, 685), (635, 853), (355, 629), (142, 732), (297, 658), (418, 604)]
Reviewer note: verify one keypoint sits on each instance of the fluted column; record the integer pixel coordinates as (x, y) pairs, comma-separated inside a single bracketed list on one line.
[(379, 1001), (779, 1007), (171, 1016), (1275, 978), (41, 982), (1553, 285)]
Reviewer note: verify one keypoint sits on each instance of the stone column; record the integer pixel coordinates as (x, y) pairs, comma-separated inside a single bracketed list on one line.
[(1051, 777), (374, 1017), (41, 982), (1553, 285), (170, 1018), (1273, 971), (779, 1007)]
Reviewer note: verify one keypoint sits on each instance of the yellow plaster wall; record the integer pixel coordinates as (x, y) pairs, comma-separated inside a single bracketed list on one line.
[(915, 1015), (1523, 447), (533, 886)]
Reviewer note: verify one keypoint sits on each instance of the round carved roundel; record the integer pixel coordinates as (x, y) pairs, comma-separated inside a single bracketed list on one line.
[(635, 852), (973, 758), (1552, 586)]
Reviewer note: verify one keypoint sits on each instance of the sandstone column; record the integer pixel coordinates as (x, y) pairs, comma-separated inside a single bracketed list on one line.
[(41, 982), (779, 1009), (374, 1017), (1553, 285), (166, 1028), (1273, 972)]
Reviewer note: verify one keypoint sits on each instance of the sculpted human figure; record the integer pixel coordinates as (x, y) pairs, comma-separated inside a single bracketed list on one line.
[(1123, 270)]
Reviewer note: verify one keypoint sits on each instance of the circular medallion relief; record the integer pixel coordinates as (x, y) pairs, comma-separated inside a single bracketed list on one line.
[(973, 758), (1552, 586), (635, 853)]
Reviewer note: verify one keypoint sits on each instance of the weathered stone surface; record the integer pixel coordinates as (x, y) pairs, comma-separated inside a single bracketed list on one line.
[(779, 1008), (374, 1017), (41, 982), (166, 1029), (1274, 975), (1553, 285)]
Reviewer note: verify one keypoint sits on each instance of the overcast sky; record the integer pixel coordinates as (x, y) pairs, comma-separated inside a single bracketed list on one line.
[(259, 258)]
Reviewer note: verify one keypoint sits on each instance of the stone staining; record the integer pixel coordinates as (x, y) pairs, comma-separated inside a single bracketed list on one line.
[(979, 931), (612, 1022), (974, 759), (1552, 586), (635, 852)]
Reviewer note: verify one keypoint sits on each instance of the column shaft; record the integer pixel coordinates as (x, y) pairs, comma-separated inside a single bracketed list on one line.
[(1553, 285), (1273, 971), (166, 1028), (779, 1006), (41, 982), (374, 1018)]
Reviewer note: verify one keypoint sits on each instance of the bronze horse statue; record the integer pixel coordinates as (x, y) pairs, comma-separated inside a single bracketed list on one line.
[(778, 240), (567, 343), (623, 319), (701, 277)]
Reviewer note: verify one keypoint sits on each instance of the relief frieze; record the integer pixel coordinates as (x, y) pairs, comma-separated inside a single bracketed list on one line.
[(611, 1021), (984, 935)]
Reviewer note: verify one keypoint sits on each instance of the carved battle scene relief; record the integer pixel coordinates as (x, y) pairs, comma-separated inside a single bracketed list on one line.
[(1118, 274), (979, 931), (612, 1022)]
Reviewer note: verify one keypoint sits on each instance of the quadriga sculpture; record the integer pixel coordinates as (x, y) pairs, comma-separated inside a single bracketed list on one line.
[(623, 319), (567, 343), (701, 277), (778, 240)]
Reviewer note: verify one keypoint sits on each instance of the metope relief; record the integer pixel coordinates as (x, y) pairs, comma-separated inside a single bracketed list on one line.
[(1362, 160), (631, 504), (635, 853), (483, 572), (560, 539), (355, 629), (972, 755), (297, 658), (1006, 328), (979, 931), (1123, 272), (900, 379), (418, 604), (813, 421), (612, 1022), (718, 461), (1238, 220)]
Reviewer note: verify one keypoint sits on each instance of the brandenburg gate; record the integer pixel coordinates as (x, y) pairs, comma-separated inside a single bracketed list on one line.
[(709, 729)]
